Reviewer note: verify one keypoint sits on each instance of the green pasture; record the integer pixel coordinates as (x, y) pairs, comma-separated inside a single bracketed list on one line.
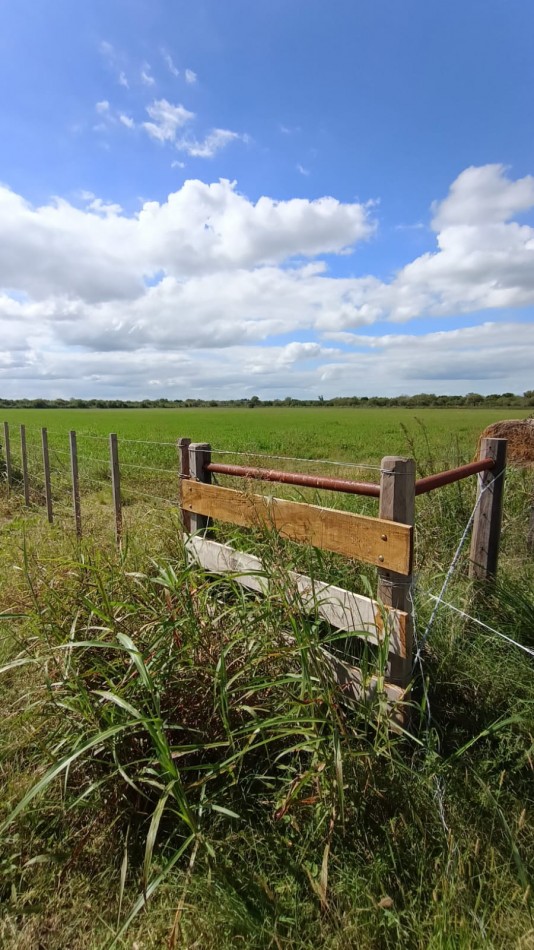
[(343, 442), (176, 773), (348, 434)]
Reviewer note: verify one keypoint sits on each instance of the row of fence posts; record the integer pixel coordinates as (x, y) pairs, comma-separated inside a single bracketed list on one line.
[(74, 473), (397, 498)]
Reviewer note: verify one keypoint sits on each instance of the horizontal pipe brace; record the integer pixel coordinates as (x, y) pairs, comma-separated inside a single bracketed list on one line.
[(295, 478), (422, 486), (431, 482)]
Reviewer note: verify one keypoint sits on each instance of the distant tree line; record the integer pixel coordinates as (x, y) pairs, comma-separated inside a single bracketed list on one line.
[(418, 401)]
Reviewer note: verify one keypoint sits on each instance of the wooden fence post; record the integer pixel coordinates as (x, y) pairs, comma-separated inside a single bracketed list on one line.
[(199, 457), (75, 483), (24, 456), (7, 453), (183, 472), (46, 471), (116, 484), (397, 503), (486, 535), (530, 535)]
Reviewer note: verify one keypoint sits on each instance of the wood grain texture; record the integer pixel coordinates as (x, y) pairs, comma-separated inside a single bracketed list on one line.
[(199, 457), (530, 533), (349, 679), (397, 502), (246, 569), (354, 613), (343, 609), (46, 471), (24, 459), (486, 536), (7, 452), (372, 540), (355, 688), (75, 483), (116, 484)]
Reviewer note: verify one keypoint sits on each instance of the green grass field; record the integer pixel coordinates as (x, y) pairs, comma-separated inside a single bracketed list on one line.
[(310, 438), (160, 742), (349, 434)]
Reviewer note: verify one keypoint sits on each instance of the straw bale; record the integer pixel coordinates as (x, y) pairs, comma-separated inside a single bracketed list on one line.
[(520, 436)]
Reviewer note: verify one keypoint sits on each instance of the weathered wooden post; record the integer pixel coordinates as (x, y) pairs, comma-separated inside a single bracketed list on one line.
[(46, 471), (486, 535), (397, 503), (75, 483), (199, 457), (7, 453), (24, 457), (183, 472), (530, 535), (116, 485)]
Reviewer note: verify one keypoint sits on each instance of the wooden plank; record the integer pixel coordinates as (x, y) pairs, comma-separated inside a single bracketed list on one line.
[(354, 613), (116, 485), (343, 609), (351, 682), (46, 472), (7, 452), (220, 558), (397, 502), (372, 540), (530, 533), (199, 457), (24, 457), (486, 535), (246, 569), (75, 483), (354, 686)]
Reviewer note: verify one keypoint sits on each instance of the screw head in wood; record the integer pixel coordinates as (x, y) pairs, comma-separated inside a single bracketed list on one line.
[(380, 557), (384, 537)]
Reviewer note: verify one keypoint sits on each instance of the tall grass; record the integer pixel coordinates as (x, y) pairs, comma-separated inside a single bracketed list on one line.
[(179, 769)]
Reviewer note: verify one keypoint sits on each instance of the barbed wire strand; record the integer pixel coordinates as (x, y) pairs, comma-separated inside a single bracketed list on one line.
[(480, 623), (294, 458), (452, 568)]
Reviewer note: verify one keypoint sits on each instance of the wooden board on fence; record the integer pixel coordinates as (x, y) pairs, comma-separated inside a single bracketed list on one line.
[(341, 608), (373, 540), (352, 612), (351, 682), (246, 569)]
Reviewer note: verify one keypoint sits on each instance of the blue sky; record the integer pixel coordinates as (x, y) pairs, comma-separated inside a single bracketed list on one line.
[(376, 203)]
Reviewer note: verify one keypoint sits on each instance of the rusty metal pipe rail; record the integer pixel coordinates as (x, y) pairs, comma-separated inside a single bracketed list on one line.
[(422, 486), (293, 478)]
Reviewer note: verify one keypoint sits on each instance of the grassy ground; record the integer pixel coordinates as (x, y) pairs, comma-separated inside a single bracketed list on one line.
[(348, 434), (160, 739)]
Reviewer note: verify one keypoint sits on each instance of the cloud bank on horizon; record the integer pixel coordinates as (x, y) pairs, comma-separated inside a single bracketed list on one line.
[(252, 263), (208, 292)]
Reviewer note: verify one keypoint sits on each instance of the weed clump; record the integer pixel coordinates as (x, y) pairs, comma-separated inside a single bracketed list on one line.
[(176, 746)]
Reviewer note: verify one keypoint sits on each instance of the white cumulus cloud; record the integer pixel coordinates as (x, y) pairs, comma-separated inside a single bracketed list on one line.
[(214, 141), (166, 119), (58, 249), (96, 297)]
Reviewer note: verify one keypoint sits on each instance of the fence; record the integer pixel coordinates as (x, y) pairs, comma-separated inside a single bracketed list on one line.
[(385, 541)]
